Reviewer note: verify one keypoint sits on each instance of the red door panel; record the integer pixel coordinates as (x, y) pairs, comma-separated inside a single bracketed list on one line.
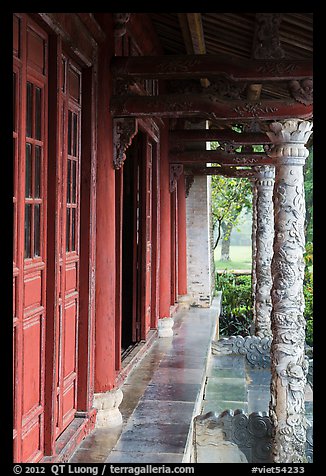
[(147, 238), (30, 172), (68, 214)]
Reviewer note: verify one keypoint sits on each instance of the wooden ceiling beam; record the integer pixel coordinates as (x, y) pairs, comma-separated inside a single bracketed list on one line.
[(209, 135), (208, 107), (225, 171), (198, 66), (202, 157)]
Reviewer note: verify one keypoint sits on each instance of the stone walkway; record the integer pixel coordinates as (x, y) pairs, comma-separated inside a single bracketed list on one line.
[(177, 379), (162, 395)]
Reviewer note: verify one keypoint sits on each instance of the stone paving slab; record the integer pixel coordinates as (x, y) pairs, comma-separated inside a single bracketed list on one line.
[(233, 389), (161, 397), (138, 457), (178, 392), (169, 411), (149, 438), (171, 375)]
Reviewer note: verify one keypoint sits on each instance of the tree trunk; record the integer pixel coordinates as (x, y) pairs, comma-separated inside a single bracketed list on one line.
[(225, 250)]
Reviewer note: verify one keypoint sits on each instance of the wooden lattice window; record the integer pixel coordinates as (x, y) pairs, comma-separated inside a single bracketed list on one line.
[(33, 167)]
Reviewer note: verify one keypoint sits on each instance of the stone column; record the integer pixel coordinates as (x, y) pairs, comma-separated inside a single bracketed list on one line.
[(253, 252), (264, 249), (288, 362)]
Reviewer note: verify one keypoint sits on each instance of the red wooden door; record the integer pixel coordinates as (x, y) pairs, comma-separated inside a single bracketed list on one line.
[(68, 214), (30, 172), (146, 238)]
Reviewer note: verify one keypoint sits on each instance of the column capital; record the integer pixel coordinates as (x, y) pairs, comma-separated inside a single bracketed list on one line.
[(264, 175), (289, 139)]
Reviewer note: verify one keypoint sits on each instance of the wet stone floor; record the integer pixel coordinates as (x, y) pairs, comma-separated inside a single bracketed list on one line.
[(177, 379), (232, 383), (162, 395)]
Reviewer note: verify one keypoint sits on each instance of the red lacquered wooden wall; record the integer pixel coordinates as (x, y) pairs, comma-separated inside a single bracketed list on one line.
[(30, 172), (53, 334)]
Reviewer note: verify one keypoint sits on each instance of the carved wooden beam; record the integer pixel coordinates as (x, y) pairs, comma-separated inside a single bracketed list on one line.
[(225, 171), (206, 106), (199, 66), (222, 158), (176, 171), (124, 129), (209, 135)]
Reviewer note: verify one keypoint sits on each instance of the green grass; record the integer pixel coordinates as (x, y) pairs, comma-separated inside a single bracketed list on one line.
[(240, 258)]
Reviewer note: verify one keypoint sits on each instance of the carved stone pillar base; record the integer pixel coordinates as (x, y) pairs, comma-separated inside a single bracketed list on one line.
[(164, 327), (184, 301), (107, 404)]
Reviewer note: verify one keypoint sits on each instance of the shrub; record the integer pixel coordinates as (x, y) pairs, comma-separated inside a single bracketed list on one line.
[(236, 315), (308, 292)]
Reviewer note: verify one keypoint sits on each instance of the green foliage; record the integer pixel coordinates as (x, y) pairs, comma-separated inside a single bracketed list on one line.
[(236, 316), (308, 293), (229, 197), (308, 186)]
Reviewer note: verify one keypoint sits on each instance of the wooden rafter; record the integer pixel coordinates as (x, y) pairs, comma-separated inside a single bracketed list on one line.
[(193, 36)]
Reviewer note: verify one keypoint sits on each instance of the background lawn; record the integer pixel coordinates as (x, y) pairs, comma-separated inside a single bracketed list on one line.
[(240, 258)]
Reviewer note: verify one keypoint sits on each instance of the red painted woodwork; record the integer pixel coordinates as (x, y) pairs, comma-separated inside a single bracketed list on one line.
[(195, 135), (174, 247), (30, 172), (71, 29), (220, 157), (165, 228), (105, 367), (208, 106), (119, 264), (68, 226), (87, 263), (146, 238), (182, 237), (226, 171), (199, 66), (156, 203), (47, 246)]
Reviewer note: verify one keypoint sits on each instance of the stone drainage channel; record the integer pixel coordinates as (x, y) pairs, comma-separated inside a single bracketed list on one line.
[(234, 426), (191, 399)]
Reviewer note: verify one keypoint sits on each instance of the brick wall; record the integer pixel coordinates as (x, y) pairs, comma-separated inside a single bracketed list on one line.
[(200, 262)]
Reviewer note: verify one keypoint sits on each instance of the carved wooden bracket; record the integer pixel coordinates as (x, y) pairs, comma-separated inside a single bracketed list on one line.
[(120, 20), (124, 130), (176, 171), (302, 91)]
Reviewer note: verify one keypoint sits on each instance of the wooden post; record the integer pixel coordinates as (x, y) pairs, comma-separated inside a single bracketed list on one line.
[(182, 237)]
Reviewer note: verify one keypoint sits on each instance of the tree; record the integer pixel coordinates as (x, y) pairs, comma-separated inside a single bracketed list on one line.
[(229, 197)]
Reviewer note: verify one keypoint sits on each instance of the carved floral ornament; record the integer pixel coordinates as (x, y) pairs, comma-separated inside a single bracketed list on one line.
[(124, 130), (176, 171)]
